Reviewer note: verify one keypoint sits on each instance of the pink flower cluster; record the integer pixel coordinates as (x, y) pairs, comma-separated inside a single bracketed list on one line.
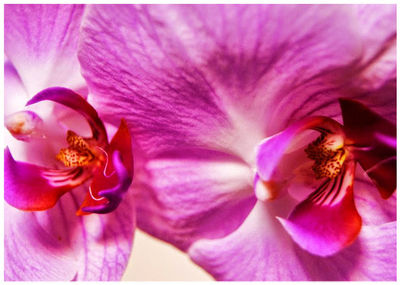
[(258, 139)]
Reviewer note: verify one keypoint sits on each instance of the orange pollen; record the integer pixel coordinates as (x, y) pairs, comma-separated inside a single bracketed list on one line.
[(78, 153), (328, 157)]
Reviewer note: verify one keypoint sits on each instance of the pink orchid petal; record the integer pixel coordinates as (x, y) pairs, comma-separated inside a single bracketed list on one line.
[(33, 188), (372, 257), (200, 82), (377, 25), (327, 221), (260, 250), (193, 194), (72, 100), (147, 78), (66, 247), (45, 38), (365, 129), (30, 253)]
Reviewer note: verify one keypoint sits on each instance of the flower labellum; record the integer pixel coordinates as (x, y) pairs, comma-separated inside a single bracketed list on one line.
[(110, 165), (327, 220)]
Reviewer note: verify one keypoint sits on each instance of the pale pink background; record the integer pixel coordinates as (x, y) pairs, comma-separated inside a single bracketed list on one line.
[(154, 260)]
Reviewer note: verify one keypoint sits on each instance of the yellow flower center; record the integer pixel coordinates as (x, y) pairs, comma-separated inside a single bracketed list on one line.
[(329, 155), (79, 152)]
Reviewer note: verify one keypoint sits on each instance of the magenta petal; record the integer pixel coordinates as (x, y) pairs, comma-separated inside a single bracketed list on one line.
[(26, 186), (373, 138), (193, 194), (327, 221), (31, 253), (72, 100), (102, 243), (44, 38), (260, 250), (372, 257), (155, 93), (58, 245)]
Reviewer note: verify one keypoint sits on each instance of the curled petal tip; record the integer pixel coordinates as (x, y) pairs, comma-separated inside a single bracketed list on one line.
[(72, 100)]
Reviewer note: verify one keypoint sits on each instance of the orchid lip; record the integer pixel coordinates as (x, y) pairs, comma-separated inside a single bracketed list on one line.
[(114, 195), (327, 220), (84, 157)]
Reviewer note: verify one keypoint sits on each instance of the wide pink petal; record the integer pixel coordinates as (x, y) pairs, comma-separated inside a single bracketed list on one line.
[(192, 73), (155, 93), (58, 245), (191, 195), (44, 38), (260, 250), (377, 25)]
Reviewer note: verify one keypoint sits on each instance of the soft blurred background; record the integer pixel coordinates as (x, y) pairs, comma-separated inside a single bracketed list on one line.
[(154, 260)]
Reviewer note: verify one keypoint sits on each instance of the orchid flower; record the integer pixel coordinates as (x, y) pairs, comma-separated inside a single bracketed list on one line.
[(221, 97), (61, 172)]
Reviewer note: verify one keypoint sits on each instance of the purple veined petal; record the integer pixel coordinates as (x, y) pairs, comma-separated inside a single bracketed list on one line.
[(44, 38), (72, 100), (377, 24), (186, 94), (220, 64), (103, 242), (30, 253), (193, 194), (99, 245), (272, 256), (258, 250)]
